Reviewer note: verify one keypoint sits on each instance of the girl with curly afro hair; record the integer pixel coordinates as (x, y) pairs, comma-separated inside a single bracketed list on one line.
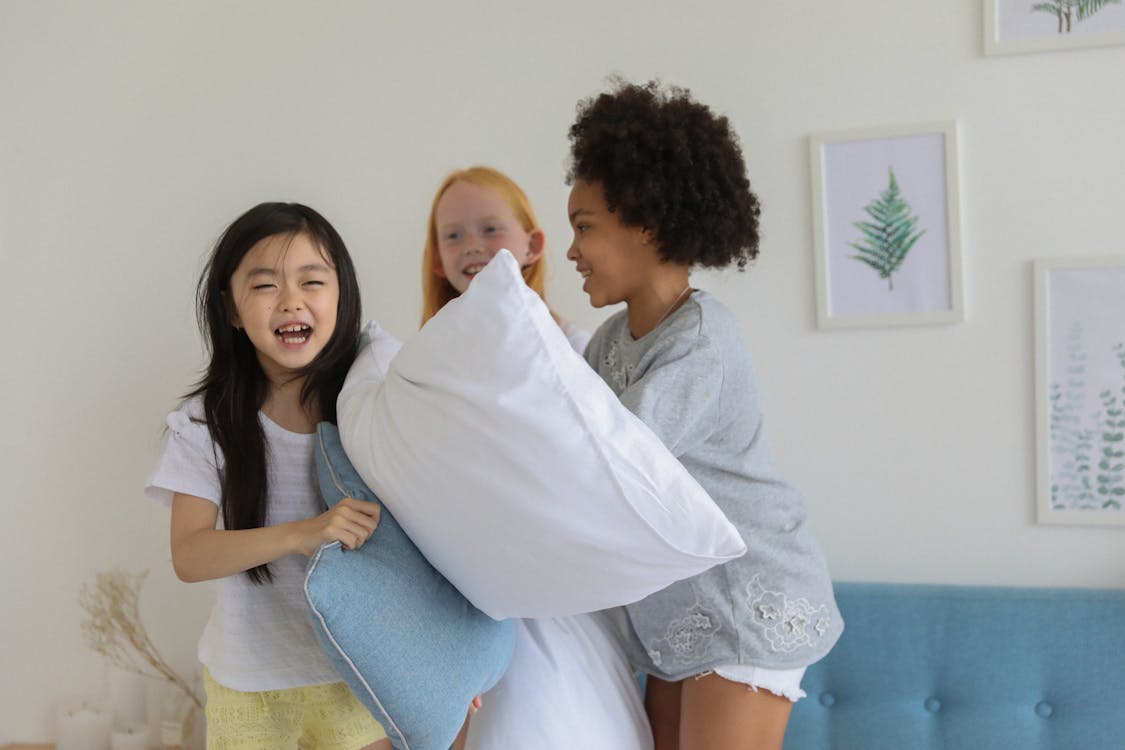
[(659, 186)]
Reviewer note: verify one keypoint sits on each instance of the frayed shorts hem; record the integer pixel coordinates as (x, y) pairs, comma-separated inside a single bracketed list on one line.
[(783, 682)]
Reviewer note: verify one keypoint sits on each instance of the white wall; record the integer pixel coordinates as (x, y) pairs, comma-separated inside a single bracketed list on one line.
[(131, 132)]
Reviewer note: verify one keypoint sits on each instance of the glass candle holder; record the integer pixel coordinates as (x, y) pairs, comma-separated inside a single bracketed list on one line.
[(130, 737)]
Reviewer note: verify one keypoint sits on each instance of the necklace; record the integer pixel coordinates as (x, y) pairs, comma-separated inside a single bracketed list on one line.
[(679, 298)]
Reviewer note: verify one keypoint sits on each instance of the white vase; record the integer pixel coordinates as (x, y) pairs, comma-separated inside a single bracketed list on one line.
[(83, 725), (126, 696)]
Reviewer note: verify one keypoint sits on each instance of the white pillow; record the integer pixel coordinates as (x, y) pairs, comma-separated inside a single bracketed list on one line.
[(515, 469)]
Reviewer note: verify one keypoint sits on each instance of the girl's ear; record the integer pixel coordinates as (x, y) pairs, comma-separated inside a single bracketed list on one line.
[(232, 312), (648, 236), (536, 244), (438, 270)]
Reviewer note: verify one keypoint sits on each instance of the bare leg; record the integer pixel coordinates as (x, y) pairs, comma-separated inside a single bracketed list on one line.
[(662, 704), (383, 744), (718, 714)]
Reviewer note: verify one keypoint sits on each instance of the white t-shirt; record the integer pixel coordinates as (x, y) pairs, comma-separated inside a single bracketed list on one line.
[(258, 636), (578, 337)]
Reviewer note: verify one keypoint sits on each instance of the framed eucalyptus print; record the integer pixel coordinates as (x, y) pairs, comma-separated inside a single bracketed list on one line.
[(886, 226), (1080, 390), (1013, 27)]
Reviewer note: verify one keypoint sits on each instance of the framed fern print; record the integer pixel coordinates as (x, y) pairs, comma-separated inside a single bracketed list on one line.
[(886, 226), (1013, 27), (1080, 390)]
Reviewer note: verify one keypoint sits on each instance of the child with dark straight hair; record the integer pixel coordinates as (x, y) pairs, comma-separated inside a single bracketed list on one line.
[(279, 309)]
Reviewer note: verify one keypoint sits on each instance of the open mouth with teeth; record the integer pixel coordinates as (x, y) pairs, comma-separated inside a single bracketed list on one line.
[(293, 334), (473, 269)]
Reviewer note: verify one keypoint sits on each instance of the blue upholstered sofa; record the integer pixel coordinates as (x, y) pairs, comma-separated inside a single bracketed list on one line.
[(968, 668)]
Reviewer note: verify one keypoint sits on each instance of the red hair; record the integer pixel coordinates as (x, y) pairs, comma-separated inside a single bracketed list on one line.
[(436, 289)]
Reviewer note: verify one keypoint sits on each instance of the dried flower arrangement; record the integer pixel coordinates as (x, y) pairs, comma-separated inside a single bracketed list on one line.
[(114, 628)]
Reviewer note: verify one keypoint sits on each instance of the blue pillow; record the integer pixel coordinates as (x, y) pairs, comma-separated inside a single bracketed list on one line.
[(407, 643)]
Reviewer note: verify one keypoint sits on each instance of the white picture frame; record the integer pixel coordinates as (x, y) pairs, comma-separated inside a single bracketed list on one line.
[(1016, 27), (1079, 384), (887, 170)]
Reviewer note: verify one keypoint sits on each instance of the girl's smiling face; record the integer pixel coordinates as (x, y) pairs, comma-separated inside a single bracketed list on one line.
[(473, 224), (616, 261), (285, 294)]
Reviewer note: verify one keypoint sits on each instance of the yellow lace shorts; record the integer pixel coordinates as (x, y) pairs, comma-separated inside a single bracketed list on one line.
[(317, 717)]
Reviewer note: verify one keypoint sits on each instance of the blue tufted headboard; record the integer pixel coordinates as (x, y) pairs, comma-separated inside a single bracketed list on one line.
[(968, 668)]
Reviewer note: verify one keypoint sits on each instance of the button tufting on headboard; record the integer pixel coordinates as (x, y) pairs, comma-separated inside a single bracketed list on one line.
[(934, 667)]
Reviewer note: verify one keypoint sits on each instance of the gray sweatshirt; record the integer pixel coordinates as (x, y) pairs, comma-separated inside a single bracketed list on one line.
[(691, 382)]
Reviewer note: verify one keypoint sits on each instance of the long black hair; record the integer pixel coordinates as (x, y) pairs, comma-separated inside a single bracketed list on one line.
[(234, 386)]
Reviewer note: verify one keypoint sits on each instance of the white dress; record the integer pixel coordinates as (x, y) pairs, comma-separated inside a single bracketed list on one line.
[(569, 684)]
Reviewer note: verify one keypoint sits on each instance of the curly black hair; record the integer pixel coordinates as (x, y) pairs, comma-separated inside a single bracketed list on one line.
[(671, 165)]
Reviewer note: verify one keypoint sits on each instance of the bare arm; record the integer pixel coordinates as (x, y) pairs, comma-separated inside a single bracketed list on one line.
[(200, 552)]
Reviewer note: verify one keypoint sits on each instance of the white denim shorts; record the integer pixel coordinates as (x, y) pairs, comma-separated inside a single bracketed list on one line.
[(783, 682)]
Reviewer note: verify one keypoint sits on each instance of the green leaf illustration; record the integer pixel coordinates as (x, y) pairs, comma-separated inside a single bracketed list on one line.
[(1073, 439), (888, 238), (1067, 11)]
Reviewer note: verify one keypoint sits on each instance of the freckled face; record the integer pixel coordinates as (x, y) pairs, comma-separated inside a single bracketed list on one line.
[(473, 224), (285, 295)]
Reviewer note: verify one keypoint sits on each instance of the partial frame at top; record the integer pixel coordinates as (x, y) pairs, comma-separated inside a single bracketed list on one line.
[(1016, 27), (886, 221)]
